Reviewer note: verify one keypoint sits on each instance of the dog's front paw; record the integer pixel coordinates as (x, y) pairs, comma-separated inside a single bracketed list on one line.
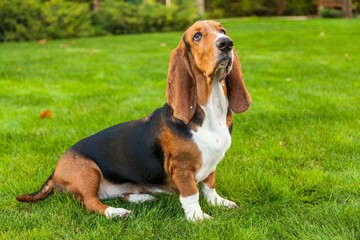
[(219, 201), (192, 208), (112, 212), (226, 203), (214, 199), (195, 216)]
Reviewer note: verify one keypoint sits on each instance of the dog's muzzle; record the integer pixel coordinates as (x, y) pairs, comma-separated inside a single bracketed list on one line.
[(224, 44)]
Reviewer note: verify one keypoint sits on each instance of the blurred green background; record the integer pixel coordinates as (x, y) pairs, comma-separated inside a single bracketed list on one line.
[(40, 19)]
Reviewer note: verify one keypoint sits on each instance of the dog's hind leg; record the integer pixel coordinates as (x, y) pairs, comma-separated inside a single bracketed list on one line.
[(90, 198), (81, 177), (138, 198)]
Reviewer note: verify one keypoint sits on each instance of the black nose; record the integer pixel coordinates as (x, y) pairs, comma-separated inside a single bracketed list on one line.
[(224, 44)]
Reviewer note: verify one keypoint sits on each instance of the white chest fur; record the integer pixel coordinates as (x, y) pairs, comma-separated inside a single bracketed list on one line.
[(213, 138)]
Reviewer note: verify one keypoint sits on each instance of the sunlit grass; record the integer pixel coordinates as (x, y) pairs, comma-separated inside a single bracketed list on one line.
[(294, 165)]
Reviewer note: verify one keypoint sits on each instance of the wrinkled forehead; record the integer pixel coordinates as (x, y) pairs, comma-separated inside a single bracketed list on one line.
[(208, 25), (204, 27)]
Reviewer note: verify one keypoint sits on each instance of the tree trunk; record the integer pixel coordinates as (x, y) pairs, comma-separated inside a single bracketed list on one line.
[(200, 4), (95, 5), (280, 7), (347, 8)]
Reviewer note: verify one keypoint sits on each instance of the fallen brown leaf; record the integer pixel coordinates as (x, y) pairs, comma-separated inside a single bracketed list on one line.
[(46, 114)]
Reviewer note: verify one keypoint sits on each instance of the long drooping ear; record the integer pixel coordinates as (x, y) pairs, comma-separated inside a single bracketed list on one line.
[(239, 98), (181, 85)]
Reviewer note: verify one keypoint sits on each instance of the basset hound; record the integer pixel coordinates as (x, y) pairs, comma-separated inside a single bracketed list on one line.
[(173, 149)]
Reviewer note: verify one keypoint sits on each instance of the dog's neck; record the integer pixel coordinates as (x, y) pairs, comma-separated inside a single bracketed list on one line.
[(206, 81), (211, 96), (218, 103)]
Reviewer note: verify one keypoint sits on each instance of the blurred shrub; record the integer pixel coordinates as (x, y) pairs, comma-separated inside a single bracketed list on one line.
[(232, 8), (303, 7), (63, 19), (36, 19), (185, 13), (330, 13), (33, 19), (156, 17), (116, 16), (19, 20)]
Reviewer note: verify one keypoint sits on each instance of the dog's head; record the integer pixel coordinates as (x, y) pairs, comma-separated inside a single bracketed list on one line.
[(204, 54)]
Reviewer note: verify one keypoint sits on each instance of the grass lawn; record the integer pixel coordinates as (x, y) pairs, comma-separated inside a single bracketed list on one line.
[(294, 164)]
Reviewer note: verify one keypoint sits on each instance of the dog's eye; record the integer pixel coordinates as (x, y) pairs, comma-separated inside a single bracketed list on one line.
[(222, 31), (197, 36)]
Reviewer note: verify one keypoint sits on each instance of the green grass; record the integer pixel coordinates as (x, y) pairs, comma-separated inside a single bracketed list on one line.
[(294, 165)]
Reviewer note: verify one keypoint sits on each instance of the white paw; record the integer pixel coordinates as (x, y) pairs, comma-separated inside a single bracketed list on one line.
[(226, 203), (192, 208), (197, 216), (214, 199), (112, 212), (219, 201)]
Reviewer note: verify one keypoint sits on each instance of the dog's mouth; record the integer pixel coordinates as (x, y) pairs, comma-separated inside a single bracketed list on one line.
[(223, 68), (224, 62)]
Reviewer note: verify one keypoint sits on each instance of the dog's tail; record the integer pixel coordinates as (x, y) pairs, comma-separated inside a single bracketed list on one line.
[(46, 189)]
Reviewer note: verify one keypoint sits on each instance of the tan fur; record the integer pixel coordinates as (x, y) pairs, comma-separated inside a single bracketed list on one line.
[(81, 177), (182, 161), (210, 180), (204, 52), (229, 119)]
